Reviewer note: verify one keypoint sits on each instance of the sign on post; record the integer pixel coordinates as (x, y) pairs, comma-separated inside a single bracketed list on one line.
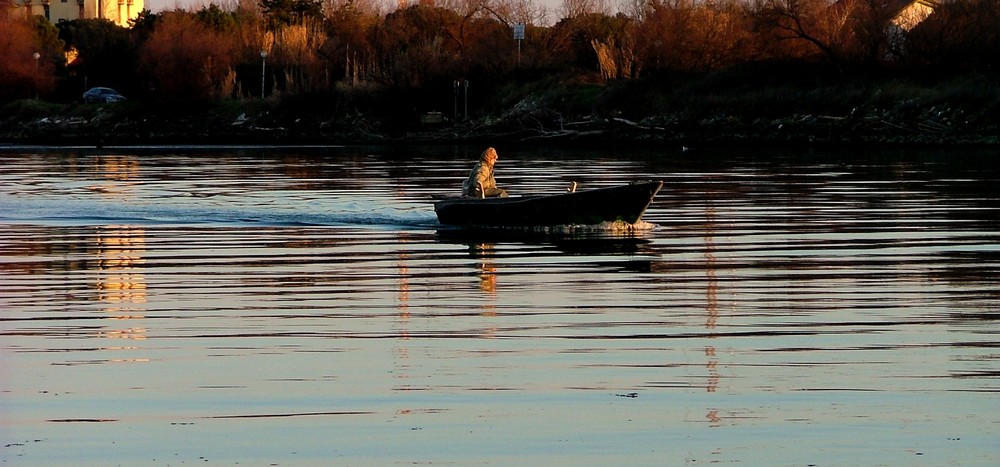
[(519, 36), (519, 31)]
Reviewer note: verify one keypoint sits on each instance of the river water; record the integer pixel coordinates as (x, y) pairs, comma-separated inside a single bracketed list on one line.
[(301, 306)]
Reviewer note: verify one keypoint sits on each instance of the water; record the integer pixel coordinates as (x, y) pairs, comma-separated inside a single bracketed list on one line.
[(301, 306)]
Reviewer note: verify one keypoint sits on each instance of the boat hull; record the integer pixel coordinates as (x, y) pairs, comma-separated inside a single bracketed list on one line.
[(625, 203)]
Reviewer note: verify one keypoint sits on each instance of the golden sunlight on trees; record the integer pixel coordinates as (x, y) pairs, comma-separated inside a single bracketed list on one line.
[(22, 75), (295, 50), (188, 60), (801, 29), (17, 65), (617, 59), (316, 46), (414, 44), (347, 49), (688, 35)]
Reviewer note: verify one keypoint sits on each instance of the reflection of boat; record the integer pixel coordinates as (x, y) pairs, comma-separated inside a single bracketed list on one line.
[(625, 203), (575, 243)]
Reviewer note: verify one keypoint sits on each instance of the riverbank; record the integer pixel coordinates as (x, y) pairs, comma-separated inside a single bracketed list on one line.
[(706, 112)]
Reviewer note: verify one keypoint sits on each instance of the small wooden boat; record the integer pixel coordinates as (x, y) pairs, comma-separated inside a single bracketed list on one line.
[(625, 203)]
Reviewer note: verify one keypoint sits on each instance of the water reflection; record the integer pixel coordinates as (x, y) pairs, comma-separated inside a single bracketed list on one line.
[(121, 281), (402, 324), (119, 173), (484, 253), (711, 299), (594, 243), (796, 303), (403, 276)]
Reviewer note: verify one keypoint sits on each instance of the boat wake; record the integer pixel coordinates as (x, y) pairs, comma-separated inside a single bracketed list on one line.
[(62, 212), (91, 212)]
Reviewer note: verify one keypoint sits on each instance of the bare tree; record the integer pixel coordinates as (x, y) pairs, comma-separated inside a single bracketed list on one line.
[(528, 12), (511, 12), (871, 19), (574, 8), (693, 36), (813, 22), (506, 11), (635, 9), (363, 7)]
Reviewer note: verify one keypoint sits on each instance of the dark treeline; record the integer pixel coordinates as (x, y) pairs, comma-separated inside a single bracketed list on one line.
[(355, 55)]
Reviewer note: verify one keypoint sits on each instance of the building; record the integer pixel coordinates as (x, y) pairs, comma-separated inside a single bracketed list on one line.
[(896, 17), (908, 15), (912, 13), (116, 11)]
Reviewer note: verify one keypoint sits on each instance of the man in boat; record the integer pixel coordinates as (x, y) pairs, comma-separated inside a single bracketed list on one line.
[(481, 183)]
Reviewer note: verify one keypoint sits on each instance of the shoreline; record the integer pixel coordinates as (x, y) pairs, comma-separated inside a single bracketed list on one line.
[(734, 119), (796, 131)]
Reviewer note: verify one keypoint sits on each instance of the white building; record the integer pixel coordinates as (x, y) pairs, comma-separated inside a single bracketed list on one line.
[(116, 11)]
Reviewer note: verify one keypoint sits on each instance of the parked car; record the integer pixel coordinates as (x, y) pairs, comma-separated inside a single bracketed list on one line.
[(102, 95)]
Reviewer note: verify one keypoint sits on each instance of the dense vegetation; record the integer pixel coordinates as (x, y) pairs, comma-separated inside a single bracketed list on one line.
[(361, 67)]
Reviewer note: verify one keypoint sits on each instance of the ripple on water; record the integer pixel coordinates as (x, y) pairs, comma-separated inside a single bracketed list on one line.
[(767, 311)]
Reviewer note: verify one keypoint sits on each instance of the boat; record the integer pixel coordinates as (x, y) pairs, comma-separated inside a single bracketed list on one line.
[(622, 203)]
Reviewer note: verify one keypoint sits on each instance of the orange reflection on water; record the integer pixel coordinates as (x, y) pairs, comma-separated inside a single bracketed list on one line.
[(712, 313), (711, 300), (119, 172), (487, 283), (484, 252), (121, 281), (404, 287)]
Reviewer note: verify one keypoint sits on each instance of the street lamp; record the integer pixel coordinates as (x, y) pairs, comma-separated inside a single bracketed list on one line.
[(465, 82), (458, 85), (263, 62), (37, 56)]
